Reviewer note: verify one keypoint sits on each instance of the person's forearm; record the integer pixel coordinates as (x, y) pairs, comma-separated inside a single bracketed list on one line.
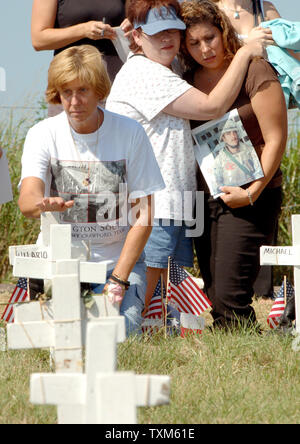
[(270, 109), (270, 162), (28, 205), (133, 247), (53, 38)]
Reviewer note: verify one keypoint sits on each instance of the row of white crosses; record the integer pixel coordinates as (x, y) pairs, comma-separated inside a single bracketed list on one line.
[(289, 256), (90, 393)]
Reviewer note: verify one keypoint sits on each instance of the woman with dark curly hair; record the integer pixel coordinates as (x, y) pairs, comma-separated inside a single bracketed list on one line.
[(149, 90), (246, 17), (243, 218)]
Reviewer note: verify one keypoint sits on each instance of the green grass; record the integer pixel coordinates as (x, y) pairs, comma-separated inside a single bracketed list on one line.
[(225, 379), (15, 370), (216, 378), (219, 378)]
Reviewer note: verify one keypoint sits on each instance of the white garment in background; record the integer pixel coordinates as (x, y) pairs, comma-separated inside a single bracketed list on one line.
[(141, 90)]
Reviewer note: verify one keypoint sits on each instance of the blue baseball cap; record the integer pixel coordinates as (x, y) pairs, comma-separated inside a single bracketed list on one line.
[(160, 19)]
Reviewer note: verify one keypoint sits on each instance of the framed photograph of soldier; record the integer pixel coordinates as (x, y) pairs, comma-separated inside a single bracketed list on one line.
[(225, 153)]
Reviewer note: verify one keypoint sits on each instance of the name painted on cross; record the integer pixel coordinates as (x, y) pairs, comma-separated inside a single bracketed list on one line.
[(280, 255), (32, 251)]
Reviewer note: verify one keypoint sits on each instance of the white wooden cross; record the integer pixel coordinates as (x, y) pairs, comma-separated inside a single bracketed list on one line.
[(42, 326), (287, 256), (62, 324), (42, 255), (105, 396), (59, 324)]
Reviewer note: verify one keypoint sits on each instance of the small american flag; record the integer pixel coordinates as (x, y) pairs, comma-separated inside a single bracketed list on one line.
[(19, 295), (279, 305), (183, 293), (154, 318), (156, 306)]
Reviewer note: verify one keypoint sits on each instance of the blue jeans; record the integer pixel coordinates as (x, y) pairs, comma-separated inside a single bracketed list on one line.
[(134, 299), (168, 239)]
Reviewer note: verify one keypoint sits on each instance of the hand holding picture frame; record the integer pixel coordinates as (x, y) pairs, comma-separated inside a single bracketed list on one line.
[(225, 153)]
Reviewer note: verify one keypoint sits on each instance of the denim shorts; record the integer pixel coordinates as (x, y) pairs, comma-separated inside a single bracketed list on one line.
[(134, 300), (166, 241)]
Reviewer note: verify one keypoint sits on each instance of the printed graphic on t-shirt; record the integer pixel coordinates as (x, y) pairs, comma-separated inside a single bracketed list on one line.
[(99, 192)]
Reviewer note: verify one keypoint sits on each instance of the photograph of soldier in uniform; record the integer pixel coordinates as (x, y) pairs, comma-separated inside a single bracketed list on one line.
[(235, 163), (100, 188), (226, 155)]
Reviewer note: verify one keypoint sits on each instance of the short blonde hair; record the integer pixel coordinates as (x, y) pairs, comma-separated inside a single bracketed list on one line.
[(83, 62)]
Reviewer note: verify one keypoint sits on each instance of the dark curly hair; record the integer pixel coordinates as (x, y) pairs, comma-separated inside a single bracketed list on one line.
[(196, 12)]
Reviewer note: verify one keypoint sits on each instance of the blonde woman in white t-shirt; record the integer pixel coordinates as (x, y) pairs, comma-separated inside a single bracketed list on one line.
[(148, 90), (64, 154)]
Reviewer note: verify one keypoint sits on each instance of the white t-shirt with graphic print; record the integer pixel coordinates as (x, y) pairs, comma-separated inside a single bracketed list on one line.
[(141, 90), (102, 178)]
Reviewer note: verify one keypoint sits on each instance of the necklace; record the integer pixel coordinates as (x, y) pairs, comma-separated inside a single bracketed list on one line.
[(86, 181), (236, 12)]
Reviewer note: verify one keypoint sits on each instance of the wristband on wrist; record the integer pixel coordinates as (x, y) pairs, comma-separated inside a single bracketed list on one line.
[(250, 197), (120, 281)]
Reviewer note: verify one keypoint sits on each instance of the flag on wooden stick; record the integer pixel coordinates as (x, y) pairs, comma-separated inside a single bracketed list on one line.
[(286, 292), (184, 293), (19, 295)]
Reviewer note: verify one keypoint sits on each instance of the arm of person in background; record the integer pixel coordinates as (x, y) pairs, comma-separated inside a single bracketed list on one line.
[(271, 13), (195, 105), (141, 227), (32, 202), (140, 230), (45, 37), (268, 101), (263, 35)]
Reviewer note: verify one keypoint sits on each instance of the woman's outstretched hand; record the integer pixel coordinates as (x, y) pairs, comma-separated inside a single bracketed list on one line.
[(53, 204)]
